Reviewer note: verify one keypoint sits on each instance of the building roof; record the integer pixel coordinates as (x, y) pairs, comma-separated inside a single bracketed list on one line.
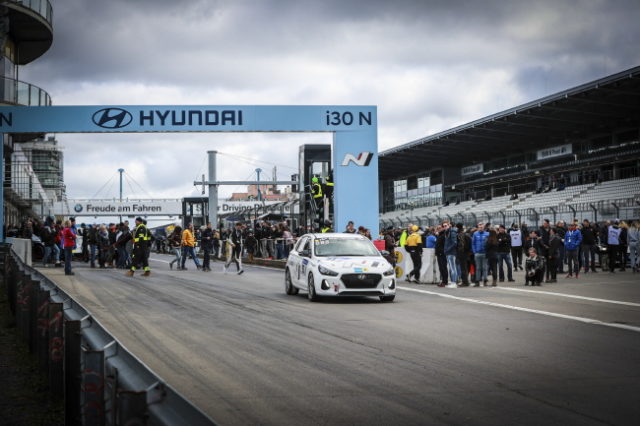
[(600, 106)]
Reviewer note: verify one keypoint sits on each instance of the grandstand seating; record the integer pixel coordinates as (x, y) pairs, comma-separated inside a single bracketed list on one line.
[(612, 190), (587, 194)]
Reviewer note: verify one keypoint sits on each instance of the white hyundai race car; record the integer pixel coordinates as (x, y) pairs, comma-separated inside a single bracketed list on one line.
[(338, 265)]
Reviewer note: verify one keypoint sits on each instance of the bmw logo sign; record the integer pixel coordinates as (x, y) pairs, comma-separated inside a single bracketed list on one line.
[(77, 208)]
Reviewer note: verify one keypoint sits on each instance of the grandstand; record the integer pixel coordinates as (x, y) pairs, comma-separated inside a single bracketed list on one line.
[(616, 199), (574, 154)]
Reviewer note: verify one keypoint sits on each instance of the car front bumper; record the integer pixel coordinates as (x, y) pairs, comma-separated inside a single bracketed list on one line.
[(335, 286)]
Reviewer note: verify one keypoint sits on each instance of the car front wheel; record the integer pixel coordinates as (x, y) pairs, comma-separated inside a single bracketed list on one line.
[(313, 297), (387, 298), (288, 285)]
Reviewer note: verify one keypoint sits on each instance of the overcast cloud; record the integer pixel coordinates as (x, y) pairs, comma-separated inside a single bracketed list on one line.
[(427, 65)]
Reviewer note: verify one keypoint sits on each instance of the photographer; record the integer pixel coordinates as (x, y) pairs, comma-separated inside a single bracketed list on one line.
[(534, 268)]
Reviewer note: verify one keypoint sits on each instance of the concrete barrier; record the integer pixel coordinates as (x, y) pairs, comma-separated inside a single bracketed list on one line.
[(22, 248)]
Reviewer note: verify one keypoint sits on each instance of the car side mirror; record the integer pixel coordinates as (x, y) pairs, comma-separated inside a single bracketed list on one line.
[(384, 252), (305, 253)]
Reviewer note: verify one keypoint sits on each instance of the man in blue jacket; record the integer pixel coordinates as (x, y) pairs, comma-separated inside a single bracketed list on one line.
[(451, 251), (572, 241), (479, 254)]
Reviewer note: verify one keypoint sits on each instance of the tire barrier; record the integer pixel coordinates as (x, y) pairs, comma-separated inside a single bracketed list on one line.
[(100, 381)]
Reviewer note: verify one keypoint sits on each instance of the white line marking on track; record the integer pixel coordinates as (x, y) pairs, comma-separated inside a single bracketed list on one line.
[(533, 311), (244, 264), (572, 296)]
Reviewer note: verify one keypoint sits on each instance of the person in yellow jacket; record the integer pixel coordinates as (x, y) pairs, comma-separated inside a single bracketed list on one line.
[(189, 246), (141, 242), (414, 248), (405, 233), (317, 196)]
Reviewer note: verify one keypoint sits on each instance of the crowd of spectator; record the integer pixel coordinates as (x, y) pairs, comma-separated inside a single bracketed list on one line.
[(466, 255)]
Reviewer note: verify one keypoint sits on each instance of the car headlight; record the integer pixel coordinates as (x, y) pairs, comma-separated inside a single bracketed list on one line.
[(325, 271), (389, 272)]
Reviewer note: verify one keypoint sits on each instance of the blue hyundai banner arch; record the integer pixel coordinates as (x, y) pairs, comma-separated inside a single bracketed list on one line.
[(355, 142)]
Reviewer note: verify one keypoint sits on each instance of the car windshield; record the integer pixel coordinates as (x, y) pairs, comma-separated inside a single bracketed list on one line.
[(344, 247)]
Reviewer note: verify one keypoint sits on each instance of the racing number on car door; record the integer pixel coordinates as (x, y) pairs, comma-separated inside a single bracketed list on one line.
[(299, 247), (302, 271)]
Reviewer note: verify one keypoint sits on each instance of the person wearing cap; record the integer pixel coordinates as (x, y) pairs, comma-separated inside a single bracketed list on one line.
[(140, 255), (414, 248)]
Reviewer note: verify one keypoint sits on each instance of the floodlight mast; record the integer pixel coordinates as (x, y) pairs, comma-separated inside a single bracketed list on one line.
[(258, 180), (121, 171), (213, 189)]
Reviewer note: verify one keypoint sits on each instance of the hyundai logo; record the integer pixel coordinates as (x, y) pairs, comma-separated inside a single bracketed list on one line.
[(362, 277), (77, 208), (112, 118)]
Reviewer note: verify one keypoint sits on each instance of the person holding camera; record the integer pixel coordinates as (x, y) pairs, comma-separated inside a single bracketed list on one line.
[(534, 268)]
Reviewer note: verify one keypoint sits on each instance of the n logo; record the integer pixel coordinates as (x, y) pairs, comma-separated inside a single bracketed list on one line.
[(363, 159)]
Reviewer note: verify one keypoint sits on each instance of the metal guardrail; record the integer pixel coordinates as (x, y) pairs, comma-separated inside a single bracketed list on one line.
[(100, 381)]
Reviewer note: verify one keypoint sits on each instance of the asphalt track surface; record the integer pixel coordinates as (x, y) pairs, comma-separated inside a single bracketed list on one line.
[(246, 353)]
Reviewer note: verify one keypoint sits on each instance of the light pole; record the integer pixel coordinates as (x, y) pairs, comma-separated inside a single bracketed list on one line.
[(258, 179), (121, 171)]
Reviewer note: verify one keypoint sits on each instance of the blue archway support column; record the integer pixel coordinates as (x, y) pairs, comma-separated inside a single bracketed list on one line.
[(2, 172), (355, 142), (356, 186)]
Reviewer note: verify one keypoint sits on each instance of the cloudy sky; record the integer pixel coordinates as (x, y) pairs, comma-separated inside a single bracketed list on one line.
[(427, 65)]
